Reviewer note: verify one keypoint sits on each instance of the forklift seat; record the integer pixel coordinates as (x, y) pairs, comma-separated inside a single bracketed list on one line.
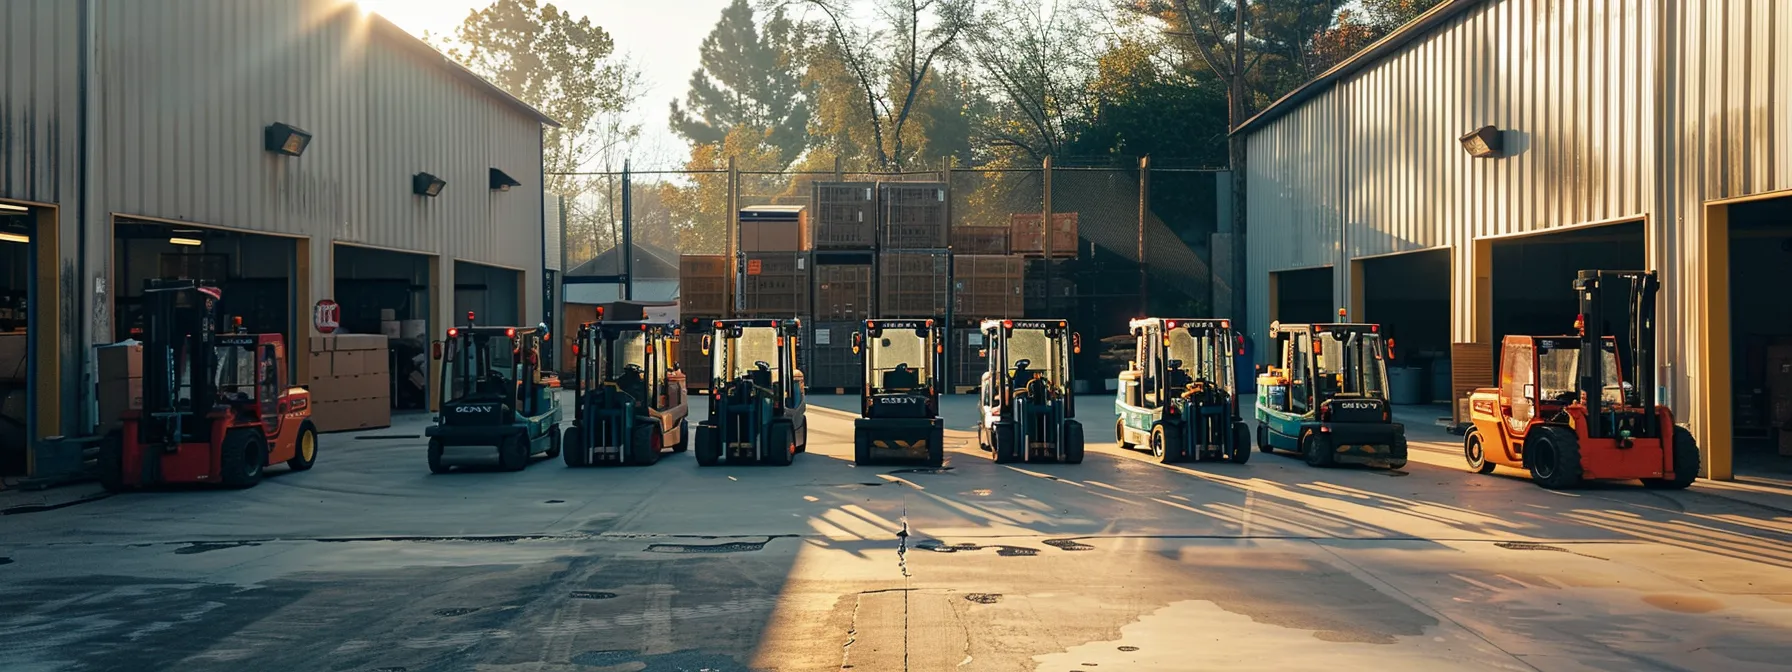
[(901, 379)]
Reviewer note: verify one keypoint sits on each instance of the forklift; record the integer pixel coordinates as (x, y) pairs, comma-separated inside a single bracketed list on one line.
[(494, 396), (216, 407), (899, 410), (1180, 395), (1575, 408), (1028, 409), (1328, 398), (628, 404), (756, 396)]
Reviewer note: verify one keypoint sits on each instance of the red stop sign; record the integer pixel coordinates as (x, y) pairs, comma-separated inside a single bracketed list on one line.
[(326, 316)]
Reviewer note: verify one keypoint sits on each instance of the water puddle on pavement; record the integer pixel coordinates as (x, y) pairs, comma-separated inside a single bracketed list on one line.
[(938, 546), (725, 547), (1068, 545), (5, 560), (209, 546), (983, 598)]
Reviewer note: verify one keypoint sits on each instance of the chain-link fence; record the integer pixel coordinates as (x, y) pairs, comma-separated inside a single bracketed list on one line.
[(1121, 242)]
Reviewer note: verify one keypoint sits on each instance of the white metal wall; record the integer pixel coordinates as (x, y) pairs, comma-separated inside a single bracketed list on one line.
[(1373, 165), (39, 43), (186, 91)]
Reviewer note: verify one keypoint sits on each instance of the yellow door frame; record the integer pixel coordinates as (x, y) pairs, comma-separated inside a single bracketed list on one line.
[(1713, 391)]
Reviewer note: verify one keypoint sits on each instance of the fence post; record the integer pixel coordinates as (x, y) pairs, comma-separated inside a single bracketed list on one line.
[(628, 235), (730, 225), (1045, 225), (1144, 212)]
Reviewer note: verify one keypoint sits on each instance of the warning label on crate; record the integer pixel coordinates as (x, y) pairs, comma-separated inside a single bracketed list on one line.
[(753, 266), (823, 337)]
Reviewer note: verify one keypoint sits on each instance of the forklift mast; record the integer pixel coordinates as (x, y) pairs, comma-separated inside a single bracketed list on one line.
[(180, 324), (1635, 347)]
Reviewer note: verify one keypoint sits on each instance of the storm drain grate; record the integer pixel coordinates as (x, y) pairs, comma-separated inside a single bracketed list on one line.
[(1068, 545), (983, 598), (729, 547), (591, 595)]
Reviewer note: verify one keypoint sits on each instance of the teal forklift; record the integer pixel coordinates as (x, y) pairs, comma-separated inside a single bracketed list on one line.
[(495, 399), (756, 397), (1179, 396), (1028, 411), (899, 410), (1327, 397), (628, 402)]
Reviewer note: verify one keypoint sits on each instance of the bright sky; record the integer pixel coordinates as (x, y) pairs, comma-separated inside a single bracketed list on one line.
[(661, 37)]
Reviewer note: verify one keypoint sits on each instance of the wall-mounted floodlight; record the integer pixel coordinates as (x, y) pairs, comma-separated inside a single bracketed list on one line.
[(1483, 142), (190, 242), (425, 184), (285, 139), (9, 209), (502, 181)]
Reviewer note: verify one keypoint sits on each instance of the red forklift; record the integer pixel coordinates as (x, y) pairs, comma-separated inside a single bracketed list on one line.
[(216, 407), (1581, 407)]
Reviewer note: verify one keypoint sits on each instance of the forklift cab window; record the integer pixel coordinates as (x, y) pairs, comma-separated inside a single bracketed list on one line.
[(476, 365), (1521, 382), (1350, 362), (1045, 353), (235, 374), (1203, 353), (1555, 372), (1300, 387), (742, 353), (900, 360), (628, 363)]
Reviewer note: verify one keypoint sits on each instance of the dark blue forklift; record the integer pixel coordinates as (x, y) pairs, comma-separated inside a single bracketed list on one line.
[(495, 398), (756, 398), (899, 414), (1179, 397)]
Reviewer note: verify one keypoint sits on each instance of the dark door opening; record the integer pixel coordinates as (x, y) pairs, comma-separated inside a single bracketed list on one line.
[(1761, 336)]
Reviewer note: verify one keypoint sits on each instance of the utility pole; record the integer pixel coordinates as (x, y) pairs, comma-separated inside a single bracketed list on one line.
[(1236, 150), (628, 236), (1144, 213), (1045, 228), (729, 226)]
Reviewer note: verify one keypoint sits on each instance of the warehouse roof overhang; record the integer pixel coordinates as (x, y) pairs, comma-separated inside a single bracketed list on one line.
[(1387, 46), (407, 41)]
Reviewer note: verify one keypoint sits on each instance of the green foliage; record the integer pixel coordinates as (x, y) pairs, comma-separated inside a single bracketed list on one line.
[(748, 78), (564, 66)]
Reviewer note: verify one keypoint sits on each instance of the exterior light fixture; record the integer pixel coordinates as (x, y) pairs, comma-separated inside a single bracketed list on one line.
[(285, 139), (9, 209), (1484, 142), (502, 181), (425, 184), (190, 242)]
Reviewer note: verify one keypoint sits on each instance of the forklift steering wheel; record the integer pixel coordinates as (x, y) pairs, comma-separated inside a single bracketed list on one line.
[(762, 366)]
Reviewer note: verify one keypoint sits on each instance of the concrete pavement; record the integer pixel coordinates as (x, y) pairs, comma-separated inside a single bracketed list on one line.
[(368, 562)]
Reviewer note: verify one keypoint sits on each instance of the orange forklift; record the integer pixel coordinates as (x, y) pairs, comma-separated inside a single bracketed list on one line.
[(1581, 407), (216, 407)]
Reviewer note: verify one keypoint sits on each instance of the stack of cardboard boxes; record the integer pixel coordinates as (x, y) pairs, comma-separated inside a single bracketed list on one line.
[(351, 383), (120, 382), (1779, 389)]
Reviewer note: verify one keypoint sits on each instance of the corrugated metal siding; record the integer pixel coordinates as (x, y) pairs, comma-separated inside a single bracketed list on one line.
[(1373, 166), (39, 72), (1728, 134), (185, 95)]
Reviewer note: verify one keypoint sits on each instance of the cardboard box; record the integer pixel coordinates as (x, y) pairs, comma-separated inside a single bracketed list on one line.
[(359, 342), (388, 314), (351, 415), (418, 329), (390, 329), (348, 362), (321, 366), (116, 362), (376, 361)]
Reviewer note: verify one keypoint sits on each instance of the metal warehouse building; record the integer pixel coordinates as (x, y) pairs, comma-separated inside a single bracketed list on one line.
[(291, 150), (1654, 133)]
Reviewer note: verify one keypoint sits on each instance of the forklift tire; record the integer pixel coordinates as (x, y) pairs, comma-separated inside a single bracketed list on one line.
[(802, 446), (110, 465), (575, 438), (1120, 435), (1318, 450), (1475, 451), (1161, 443), (553, 442), (1263, 438), (513, 453), (684, 437), (1241, 443), (709, 452), (244, 456), (1554, 457), (1002, 447), (435, 457), (861, 450), (936, 449), (644, 444), (304, 453), (780, 444), (1397, 453), (1072, 436), (1686, 463)]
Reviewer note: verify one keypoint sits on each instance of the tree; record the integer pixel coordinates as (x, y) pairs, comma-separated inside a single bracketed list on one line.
[(748, 79), (699, 209), (1033, 61), (1386, 16), (564, 66), (889, 61)]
